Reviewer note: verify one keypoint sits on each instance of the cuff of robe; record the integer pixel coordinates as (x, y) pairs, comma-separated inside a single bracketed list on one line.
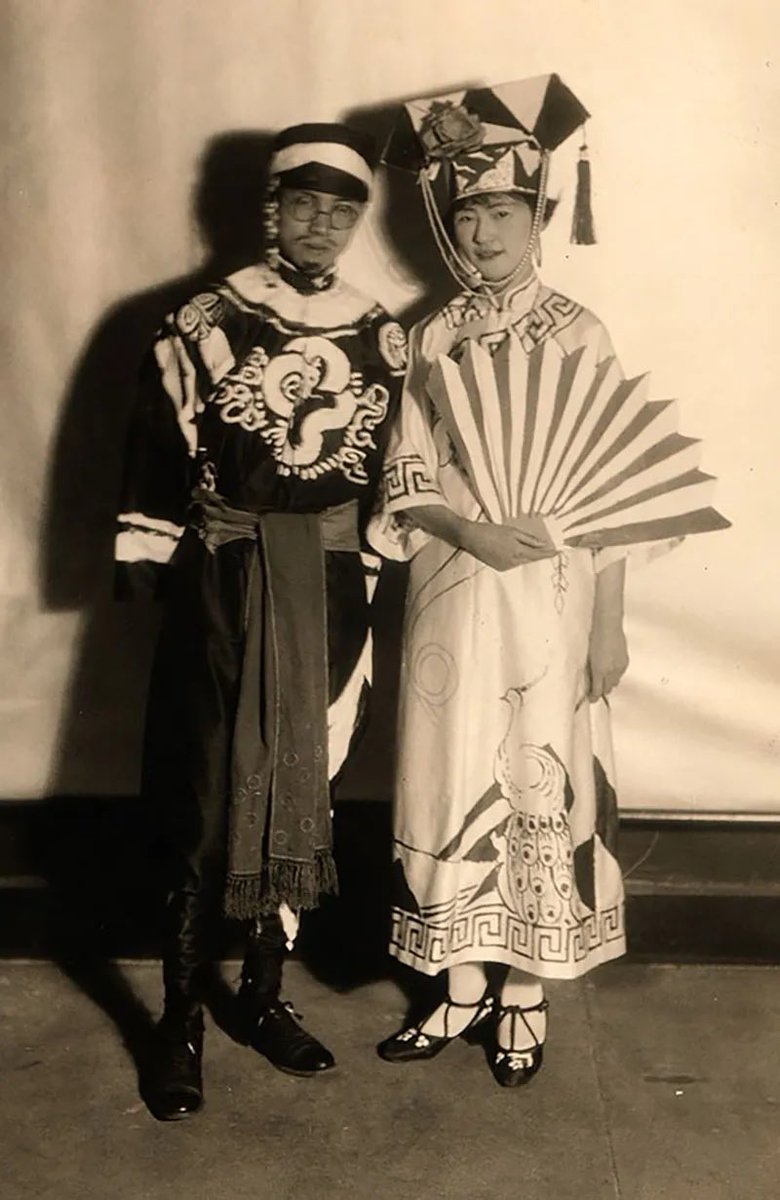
[(393, 533), (638, 555), (139, 580)]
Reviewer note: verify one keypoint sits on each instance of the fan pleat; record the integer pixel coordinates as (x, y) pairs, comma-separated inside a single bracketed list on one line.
[(651, 426), (625, 416), (685, 451), (512, 378), (607, 374), (448, 393), (700, 520), (529, 431), (480, 380), (659, 501), (569, 373), (548, 377), (586, 370)]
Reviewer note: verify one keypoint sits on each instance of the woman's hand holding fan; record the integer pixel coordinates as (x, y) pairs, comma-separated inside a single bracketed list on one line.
[(506, 546)]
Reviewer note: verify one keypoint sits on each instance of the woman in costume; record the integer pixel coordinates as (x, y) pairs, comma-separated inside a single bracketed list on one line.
[(504, 839)]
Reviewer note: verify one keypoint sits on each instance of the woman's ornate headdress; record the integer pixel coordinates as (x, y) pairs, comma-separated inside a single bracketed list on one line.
[(491, 139)]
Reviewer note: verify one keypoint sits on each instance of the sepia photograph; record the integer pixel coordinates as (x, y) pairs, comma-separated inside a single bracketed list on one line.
[(390, 738)]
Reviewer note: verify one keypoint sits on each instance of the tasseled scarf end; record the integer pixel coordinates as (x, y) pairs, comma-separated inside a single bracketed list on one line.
[(300, 885), (582, 230)]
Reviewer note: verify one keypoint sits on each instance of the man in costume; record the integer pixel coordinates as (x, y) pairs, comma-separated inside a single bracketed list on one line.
[(505, 816), (252, 462)]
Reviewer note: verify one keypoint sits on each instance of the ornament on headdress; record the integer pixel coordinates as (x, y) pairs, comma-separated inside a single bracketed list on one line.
[(582, 230), (449, 129)]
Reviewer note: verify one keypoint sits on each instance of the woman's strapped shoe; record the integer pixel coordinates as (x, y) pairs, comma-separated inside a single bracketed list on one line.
[(173, 1089), (277, 1035), (511, 1065), (412, 1043)]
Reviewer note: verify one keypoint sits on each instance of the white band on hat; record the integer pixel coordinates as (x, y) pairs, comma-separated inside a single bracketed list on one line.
[(328, 154)]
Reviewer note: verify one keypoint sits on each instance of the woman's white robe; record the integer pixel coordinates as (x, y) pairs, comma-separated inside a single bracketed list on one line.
[(505, 813)]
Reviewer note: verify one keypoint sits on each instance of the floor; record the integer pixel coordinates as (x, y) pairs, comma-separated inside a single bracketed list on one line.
[(661, 1082)]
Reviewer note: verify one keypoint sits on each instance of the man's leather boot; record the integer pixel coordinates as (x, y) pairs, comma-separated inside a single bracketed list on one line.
[(270, 1024), (173, 1088)]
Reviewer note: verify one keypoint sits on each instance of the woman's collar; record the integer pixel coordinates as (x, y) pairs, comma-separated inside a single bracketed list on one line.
[(520, 294)]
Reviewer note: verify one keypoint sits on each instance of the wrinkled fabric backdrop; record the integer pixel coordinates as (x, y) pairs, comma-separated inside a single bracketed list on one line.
[(133, 145)]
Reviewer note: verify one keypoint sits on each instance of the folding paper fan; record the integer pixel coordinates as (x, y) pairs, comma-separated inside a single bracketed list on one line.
[(564, 436)]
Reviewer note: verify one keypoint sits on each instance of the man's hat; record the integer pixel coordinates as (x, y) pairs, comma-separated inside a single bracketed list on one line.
[(324, 158), (487, 139)]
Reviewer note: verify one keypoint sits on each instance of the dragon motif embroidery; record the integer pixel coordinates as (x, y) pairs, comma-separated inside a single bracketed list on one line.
[(300, 396)]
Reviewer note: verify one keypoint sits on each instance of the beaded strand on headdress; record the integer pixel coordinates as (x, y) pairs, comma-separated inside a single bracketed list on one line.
[(457, 267), (271, 223)]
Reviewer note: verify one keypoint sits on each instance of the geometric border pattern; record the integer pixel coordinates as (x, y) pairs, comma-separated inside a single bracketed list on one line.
[(406, 475), (548, 317), (495, 927)]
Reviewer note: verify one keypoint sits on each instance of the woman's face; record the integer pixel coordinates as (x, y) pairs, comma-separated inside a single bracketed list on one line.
[(492, 232)]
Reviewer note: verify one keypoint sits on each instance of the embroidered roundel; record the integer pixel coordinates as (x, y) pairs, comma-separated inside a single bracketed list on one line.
[(198, 316), (392, 345)]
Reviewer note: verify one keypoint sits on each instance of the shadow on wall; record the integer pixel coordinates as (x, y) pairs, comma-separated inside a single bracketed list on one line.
[(103, 865), (99, 742), (403, 221)]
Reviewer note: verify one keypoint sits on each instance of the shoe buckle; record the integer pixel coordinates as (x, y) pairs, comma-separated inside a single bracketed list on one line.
[(520, 1060)]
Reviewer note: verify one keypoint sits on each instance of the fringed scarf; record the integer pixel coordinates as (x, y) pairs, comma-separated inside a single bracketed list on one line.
[(279, 837)]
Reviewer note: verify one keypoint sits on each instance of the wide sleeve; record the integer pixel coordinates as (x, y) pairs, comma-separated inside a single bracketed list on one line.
[(161, 446), (410, 473)]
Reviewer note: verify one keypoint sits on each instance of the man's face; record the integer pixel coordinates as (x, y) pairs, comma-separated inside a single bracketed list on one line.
[(315, 227), (492, 232)]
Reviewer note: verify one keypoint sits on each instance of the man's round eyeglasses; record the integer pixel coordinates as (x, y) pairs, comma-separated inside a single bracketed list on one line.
[(304, 207)]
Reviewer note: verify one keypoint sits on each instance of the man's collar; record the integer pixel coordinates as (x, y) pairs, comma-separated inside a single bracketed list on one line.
[(307, 285)]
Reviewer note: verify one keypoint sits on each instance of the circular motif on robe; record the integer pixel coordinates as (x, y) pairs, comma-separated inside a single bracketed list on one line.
[(551, 910), (561, 876), (434, 674), (392, 345)]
